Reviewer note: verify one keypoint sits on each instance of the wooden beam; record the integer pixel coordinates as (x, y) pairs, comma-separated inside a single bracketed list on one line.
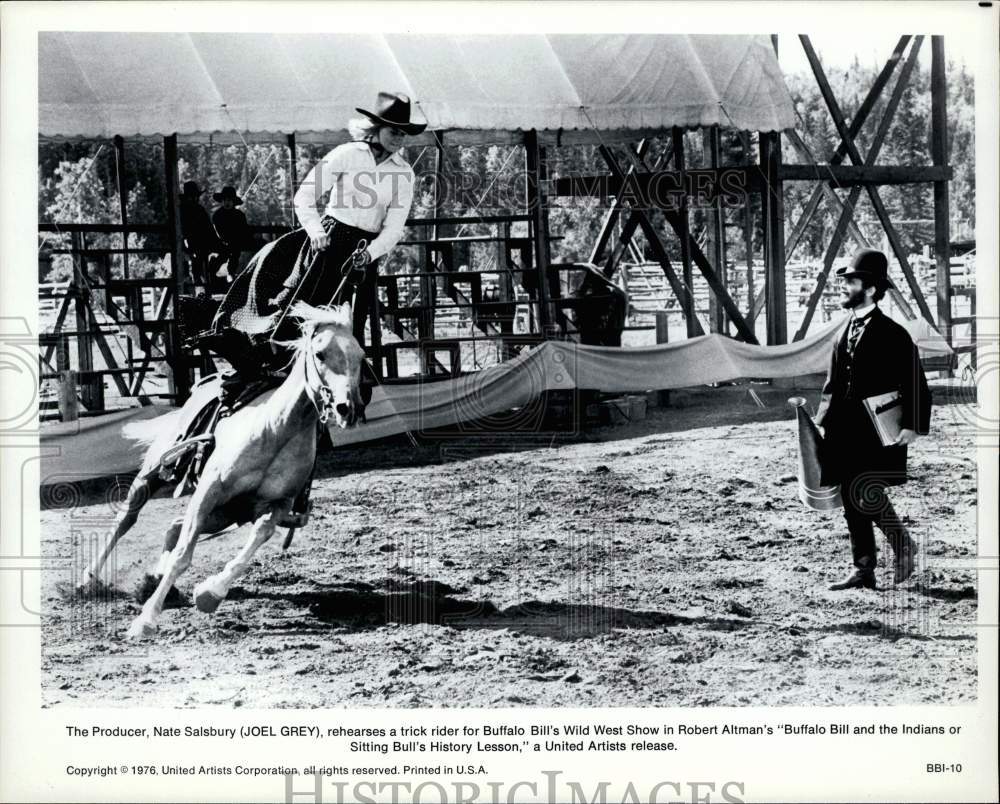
[(843, 175), (683, 229), (119, 144), (939, 155), (825, 190), (716, 228), (873, 194), (837, 156), (654, 188), (538, 209), (614, 211), (699, 259), (774, 239), (91, 392), (660, 255), (847, 212), (682, 290)]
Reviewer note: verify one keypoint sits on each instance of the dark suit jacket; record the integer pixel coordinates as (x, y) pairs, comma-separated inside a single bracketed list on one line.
[(885, 359)]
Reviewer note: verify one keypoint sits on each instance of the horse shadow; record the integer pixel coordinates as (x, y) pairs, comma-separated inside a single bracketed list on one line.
[(361, 606)]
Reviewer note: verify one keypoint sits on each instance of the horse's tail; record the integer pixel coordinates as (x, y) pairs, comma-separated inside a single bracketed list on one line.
[(147, 431)]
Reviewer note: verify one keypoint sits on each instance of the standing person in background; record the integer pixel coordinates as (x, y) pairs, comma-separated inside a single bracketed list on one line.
[(233, 230), (874, 355), (200, 239)]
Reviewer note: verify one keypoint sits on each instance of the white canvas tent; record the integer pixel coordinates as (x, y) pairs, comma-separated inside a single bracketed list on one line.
[(101, 84)]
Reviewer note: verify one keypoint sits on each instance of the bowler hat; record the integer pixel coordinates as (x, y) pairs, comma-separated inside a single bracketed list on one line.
[(228, 192), (869, 264), (393, 109)]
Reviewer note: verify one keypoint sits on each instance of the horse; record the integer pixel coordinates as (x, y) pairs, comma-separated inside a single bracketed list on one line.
[(263, 456)]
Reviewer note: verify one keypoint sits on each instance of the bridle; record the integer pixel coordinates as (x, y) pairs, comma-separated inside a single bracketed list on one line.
[(319, 392)]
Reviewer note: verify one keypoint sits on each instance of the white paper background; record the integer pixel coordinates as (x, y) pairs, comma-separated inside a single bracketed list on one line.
[(34, 749)]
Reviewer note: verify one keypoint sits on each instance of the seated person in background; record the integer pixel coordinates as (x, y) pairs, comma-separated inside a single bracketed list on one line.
[(233, 231), (601, 309), (200, 239)]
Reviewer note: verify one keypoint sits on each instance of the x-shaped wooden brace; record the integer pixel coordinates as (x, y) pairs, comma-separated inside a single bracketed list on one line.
[(847, 211), (852, 151)]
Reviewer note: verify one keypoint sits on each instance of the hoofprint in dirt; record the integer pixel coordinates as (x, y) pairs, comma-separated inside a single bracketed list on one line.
[(668, 563)]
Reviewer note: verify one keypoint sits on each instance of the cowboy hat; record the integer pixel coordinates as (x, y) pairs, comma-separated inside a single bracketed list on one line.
[(228, 192), (868, 264), (393, 109)]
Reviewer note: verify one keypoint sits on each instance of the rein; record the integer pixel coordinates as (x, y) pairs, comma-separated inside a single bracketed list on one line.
[(354, 258), (319, 394)]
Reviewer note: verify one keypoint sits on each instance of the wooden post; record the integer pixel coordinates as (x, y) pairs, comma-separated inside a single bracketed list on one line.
[(538, 209), (90, 389), (774, 238), (68, 409), (687, 275), (939, 155), (716, 228), (662, 336), (122, 198), (180, 379), (748, 235)]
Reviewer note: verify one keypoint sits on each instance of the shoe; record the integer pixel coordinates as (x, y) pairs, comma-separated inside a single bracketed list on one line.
[(905, 561), (858, 578)]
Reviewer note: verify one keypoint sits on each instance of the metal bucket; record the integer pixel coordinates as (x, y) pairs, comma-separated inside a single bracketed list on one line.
[(811, 491)]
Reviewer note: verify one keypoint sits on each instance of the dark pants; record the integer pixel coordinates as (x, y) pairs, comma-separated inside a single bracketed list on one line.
[(866, 503)]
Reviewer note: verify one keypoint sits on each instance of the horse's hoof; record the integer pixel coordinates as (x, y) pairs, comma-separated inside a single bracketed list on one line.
[(141, 628), (206, 600), (148, 584)]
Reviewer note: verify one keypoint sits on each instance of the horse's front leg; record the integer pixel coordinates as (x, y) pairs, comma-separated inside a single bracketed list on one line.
[(213, 590), (200, 518)]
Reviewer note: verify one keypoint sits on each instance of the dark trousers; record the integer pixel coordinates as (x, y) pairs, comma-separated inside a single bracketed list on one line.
[(866, 504)]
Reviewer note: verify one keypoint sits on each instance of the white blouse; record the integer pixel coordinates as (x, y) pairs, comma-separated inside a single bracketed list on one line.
[(376, 198)]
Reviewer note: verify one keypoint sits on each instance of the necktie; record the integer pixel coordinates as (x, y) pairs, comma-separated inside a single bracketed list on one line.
[(857, 327)]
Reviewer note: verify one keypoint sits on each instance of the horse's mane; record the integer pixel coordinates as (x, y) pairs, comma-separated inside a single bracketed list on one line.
[(310, 317)]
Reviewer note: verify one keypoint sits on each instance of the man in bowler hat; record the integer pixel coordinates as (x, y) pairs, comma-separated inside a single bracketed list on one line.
[(874, 355)]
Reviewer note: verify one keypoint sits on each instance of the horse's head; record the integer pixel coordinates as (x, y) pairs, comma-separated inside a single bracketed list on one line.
[(333, 361)]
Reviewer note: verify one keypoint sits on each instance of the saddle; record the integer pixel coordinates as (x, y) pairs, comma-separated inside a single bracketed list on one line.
[(184, 462)]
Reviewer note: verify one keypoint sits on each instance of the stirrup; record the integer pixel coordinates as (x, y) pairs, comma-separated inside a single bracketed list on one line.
[(172, 455), (296, 519)]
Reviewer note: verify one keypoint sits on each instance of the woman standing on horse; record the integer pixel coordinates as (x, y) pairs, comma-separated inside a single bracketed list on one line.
[(332, 257)]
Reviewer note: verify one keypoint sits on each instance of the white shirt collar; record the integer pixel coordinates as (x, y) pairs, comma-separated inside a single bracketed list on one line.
[(863, 317), (396, 157)]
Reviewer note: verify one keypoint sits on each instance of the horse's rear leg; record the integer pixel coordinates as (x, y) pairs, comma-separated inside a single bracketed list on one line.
[(213, 590), (139, 492)]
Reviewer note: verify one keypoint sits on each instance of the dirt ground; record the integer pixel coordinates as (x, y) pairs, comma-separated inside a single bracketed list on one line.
[(667, 562)]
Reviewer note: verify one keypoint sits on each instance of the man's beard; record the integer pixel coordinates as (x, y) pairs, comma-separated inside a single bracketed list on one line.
[(855, 298)]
